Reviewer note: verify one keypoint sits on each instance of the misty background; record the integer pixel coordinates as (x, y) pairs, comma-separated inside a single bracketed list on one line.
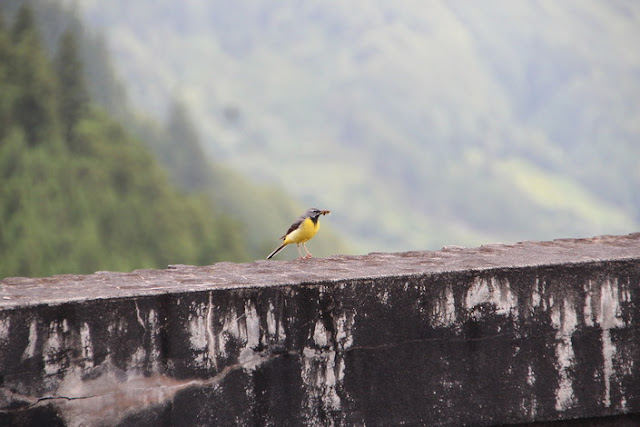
[(419, 124)]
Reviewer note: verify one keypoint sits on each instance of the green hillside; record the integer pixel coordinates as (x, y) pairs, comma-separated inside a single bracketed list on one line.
[(174, 137), (77, 192), (419, 124)]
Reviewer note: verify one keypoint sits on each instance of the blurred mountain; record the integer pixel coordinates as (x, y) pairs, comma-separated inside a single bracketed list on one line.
[(419, 124)]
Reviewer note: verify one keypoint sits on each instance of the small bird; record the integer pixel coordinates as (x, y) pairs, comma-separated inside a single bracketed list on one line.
[(301, 231)]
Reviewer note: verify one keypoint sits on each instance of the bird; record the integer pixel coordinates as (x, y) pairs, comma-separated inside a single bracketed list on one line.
[(301, 231)]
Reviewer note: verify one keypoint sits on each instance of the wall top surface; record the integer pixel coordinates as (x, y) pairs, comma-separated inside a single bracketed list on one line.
[(18, 292)]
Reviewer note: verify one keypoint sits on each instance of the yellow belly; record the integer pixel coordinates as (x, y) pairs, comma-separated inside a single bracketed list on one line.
[(303, 233)]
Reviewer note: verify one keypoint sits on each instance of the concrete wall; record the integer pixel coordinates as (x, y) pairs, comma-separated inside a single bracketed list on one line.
[(498, 334)]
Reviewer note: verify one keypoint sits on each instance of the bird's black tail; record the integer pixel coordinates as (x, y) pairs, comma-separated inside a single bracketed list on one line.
[(278, 249)]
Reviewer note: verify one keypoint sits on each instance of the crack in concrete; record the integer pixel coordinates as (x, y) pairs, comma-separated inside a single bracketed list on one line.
[(34, 401), (111, 398)]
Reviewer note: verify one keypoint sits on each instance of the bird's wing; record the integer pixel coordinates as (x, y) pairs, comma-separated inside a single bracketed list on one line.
[(294, 226)]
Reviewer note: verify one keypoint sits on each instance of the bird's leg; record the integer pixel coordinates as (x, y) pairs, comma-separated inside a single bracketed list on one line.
[(299, 251), (308, 253)]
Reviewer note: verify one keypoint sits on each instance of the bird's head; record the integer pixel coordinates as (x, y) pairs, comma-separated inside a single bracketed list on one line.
[(315, 213)]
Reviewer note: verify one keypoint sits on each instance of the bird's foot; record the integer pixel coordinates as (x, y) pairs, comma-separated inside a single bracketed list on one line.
[(308, 256)]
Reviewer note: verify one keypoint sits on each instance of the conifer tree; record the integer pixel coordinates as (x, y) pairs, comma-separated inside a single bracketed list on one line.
[(23, 25), (73, 96), (5, 89), (35, 104), (183, 153)]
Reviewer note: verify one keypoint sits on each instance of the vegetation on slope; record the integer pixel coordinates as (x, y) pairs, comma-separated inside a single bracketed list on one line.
[(262, 211), (78, 193)]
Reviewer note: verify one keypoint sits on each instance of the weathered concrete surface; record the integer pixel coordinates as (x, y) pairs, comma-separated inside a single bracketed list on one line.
[(499, 334)]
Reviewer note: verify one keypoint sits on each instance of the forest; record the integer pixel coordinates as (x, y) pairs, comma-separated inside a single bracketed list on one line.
[(80, 193)]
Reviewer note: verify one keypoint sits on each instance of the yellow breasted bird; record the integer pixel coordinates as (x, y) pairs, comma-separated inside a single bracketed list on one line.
[(301, 231)]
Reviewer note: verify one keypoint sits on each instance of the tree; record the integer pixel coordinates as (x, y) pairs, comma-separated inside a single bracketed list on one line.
[(73, 96), (23, 26), (35, 105), (183, 153), (6, 88)]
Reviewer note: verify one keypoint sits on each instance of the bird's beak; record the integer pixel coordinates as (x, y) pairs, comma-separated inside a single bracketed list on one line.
[(325, 212)]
